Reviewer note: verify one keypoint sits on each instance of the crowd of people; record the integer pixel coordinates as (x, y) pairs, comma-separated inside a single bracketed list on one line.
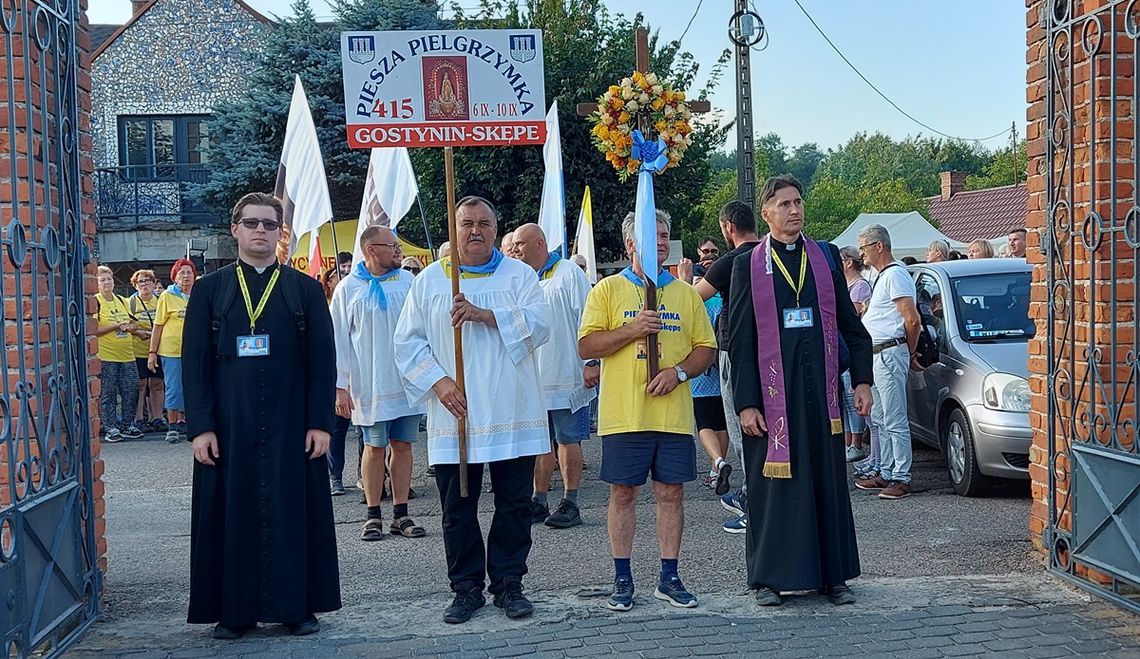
[(786, 386)]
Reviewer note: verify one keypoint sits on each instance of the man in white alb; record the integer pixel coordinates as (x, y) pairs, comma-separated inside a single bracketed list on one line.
[(568, 382), (504, 319), (365, 308)]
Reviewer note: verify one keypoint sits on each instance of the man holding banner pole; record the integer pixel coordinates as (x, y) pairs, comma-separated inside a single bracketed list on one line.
[(502, 318)]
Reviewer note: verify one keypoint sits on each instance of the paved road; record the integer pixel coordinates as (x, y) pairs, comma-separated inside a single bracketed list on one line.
[(942, 575)]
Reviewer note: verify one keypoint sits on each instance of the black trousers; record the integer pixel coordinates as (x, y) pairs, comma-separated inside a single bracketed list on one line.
[(508, 543)]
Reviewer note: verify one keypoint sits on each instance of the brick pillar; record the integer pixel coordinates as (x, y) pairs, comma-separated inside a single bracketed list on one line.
[(1091, 180)]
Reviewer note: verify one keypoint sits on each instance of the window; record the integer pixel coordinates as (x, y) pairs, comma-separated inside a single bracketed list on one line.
[(994, 307), (930, 305), (163, 148)]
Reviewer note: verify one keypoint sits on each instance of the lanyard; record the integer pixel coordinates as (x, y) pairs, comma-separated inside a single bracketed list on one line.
[(796, 288), (254, 314)]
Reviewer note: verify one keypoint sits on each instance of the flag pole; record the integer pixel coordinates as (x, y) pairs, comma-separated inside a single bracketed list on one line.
[(453, 236), (336, 248), (423, 218)]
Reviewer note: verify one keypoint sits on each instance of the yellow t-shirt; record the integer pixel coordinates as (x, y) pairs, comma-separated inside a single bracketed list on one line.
[(114, 346), (624, 405), (144, 312), (171, 315)]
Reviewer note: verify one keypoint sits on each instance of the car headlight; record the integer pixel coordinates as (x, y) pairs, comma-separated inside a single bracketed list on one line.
[(1003, 391)]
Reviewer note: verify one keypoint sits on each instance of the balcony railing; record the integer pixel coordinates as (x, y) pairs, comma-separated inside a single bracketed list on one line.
[(130, 196)]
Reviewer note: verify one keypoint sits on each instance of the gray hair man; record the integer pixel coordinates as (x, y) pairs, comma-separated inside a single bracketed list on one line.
[(893, 322)]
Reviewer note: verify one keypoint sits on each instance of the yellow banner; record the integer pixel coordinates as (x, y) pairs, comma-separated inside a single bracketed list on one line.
[(346, 241)]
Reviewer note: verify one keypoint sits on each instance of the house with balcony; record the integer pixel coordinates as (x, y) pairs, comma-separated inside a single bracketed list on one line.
[(154, 82)]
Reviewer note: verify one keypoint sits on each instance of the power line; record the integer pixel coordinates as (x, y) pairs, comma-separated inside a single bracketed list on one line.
[(884, 96), (691, 18)]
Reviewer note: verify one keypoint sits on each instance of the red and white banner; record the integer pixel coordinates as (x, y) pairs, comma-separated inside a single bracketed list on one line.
[(443, 88)]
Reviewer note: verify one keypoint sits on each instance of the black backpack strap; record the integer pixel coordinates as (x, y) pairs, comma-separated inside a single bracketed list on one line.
[(291, 289), (226, 294)]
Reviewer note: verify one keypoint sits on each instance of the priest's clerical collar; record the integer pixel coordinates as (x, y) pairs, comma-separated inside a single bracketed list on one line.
[(258, 269), (792, 246)]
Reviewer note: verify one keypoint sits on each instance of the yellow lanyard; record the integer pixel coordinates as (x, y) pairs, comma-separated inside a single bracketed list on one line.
[(254, 314), (796, 288)]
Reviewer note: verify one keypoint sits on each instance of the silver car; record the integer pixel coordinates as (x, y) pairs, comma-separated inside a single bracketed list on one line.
[(974, 403)]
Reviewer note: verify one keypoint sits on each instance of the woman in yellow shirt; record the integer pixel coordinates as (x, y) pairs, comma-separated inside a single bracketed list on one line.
[(166, 343), (119, 377), (143, 306)]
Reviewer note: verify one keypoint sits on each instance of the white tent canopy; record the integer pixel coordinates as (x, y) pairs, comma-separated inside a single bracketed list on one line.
[(910, 233)]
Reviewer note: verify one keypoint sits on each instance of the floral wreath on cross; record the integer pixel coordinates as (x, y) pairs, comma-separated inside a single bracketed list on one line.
[(615, 120)]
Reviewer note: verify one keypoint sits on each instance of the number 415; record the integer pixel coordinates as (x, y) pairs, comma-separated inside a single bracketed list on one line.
[(401, 109)]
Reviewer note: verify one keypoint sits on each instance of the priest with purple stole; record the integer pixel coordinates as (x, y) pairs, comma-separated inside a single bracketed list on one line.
[(793, 330)]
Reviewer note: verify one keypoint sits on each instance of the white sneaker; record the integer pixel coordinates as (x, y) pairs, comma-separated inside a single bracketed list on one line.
[(173, 436), (855, 454), (113, 435)]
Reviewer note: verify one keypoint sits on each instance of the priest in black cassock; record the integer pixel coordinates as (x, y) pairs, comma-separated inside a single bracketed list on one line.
[(260, 383), (789, 308)]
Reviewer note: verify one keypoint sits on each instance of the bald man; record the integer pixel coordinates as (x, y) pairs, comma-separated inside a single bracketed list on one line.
[(508, 245), (568, 382)]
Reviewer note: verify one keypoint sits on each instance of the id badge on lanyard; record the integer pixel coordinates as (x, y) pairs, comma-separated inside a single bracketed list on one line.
[(798, 318), (252, 344)]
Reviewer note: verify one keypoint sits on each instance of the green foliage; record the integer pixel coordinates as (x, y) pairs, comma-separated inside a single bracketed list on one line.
[(868, 160), (1007, 167), (830, 207)]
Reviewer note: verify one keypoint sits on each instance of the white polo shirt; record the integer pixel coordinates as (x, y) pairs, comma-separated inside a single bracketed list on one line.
[(883, 319)]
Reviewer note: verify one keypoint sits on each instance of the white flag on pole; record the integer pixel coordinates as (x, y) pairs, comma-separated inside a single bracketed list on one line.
[(301, 183), (584, 238), (552, 212), (389, 191)]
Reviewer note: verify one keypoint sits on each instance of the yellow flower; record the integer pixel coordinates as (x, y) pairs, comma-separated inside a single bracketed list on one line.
[(614, 89), (632, 166), (616, 103), (623, 117), (659, 126), (680, 126), (657, 104), (680, 96), (601, 131)]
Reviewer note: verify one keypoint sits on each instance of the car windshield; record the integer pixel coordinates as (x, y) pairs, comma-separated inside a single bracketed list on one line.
[(993, 307)]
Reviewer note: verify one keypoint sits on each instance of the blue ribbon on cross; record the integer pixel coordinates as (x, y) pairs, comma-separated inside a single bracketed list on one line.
[(653, 159)]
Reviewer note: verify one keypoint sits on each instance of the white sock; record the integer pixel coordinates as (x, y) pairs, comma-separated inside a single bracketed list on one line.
[(719, 462)]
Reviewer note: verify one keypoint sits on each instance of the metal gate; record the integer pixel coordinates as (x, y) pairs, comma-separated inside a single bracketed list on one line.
[(49, 578), (1091, 242)]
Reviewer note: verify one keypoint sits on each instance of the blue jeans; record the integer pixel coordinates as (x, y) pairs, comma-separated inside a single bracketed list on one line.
[(889, 413), (336, 448)]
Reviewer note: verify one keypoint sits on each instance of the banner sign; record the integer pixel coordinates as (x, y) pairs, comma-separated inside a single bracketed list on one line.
[(443, 88)]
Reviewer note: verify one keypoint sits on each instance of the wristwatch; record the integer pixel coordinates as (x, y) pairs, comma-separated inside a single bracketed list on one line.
[(681, 374), (593, 362)]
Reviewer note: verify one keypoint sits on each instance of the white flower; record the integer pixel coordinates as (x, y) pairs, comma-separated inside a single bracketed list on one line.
[(631, 106), (623, 129), (607, 118), (657, 90), (626, 93), (668, 110), (678, 138), (626, 82), (651, 79), (644, 98)]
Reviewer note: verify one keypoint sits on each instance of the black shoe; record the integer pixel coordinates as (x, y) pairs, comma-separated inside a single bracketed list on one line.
[(840, 595), (224, 632), (430, 472), (565, 516), (308, 626), (768, 597), (465, 604), (538, 512), (513, 602)]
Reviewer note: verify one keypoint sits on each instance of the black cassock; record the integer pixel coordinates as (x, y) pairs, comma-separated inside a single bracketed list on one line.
[(263, 544), (801, 534)]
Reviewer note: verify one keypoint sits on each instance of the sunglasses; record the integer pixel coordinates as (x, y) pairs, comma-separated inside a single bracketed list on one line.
[(252, 223), (414, 271)]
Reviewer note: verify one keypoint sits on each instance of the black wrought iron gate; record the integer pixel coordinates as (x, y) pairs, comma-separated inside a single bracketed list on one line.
[(1091, 242), (49, 578)]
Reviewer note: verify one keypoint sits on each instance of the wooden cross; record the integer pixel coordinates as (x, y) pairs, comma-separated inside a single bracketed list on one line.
[(641, 36)]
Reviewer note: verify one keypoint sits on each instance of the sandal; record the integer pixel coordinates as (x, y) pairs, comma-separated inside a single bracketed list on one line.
[(373, 530), (406, 527)]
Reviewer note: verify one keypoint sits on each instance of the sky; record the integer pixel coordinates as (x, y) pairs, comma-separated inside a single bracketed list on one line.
[(958, 67)]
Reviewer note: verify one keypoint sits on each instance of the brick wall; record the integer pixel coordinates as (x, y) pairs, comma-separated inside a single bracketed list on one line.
[(1091, 172)]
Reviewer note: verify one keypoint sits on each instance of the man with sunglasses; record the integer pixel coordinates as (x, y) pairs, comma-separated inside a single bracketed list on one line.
[(707, 254), (260, 381), (503, 318), (365, 308)]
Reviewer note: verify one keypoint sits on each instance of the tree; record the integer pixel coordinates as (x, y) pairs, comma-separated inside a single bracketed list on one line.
[(830, 207), (891, 196), (805, 159), (1006, 167)]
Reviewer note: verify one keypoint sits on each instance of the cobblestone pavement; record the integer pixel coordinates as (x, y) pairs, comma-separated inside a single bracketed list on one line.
[(955, 577)]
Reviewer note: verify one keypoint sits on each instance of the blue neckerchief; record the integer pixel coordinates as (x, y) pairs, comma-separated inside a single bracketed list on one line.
[(555, 257), (375, 290), (663, 278), (488, 267), (177, 290)]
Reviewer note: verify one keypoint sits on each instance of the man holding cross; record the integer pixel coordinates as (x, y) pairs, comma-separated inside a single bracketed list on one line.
[(503, 317)]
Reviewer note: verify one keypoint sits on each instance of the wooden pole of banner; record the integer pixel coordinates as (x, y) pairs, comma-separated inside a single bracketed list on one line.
[(453, 236)]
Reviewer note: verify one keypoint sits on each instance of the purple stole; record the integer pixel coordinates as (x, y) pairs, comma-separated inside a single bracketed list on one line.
[(771, 361)]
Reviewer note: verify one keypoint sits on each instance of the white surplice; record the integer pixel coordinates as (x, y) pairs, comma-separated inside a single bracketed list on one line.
[(565, 288), (365, 349), (505, 417)]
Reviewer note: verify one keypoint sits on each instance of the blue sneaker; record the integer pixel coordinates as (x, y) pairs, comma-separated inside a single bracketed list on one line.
[(673, 591), (735, 502), (736, 525), (622, 599)]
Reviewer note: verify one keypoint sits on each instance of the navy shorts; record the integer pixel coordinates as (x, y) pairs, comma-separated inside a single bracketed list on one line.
[(568, 427), (628, 458)]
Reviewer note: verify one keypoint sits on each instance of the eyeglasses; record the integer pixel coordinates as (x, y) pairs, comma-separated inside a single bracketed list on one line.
[(709, 250), (389, 245), (414, 271), (252, 223), (146, 281), (863, 248)]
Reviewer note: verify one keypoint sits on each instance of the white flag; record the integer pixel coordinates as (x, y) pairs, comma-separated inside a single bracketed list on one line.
[(584, 238), (552, 212), (301, 183), (389, 191)]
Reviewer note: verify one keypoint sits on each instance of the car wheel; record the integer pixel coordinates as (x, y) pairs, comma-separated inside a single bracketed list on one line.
[(958, 442)]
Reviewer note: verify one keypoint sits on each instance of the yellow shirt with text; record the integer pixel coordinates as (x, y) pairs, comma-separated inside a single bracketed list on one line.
[(624, 406), (144, 313), (114, 346), (171, 315)]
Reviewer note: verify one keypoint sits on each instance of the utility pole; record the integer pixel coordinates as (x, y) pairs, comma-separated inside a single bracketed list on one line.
[(745, 29)]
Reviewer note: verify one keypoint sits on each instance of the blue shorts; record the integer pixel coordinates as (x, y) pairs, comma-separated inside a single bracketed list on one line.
[(172, 382), (403, 429), (627, 458), (568, 427)]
